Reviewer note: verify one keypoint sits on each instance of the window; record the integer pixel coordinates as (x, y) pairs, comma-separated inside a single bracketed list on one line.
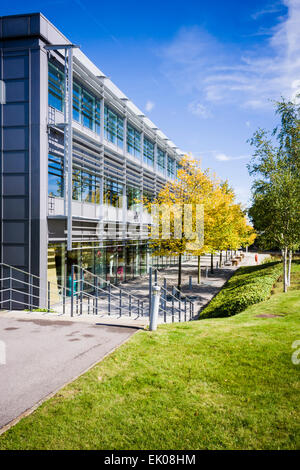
[(87, 108), (55, 176), (97, 117), (55, 87), (113, 127), (76, 188), (149, 196), (76, 102), (88, 187), (133, 141), (85, 186), (161, 163), (112, 193), (133, 197), (148, 152), (171, 167)]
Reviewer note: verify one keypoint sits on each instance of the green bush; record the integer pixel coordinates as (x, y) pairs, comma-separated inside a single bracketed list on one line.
[(249, 285)]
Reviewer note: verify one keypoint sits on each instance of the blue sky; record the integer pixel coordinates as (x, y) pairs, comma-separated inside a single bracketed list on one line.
[(204, 72)]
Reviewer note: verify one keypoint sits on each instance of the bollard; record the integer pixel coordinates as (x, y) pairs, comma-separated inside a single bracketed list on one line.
[(154, 308), (190, 282)]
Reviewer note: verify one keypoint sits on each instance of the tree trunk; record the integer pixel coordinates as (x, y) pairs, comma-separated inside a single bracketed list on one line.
[(226, 255), (211, 262), (221, 253), (179, 271), (199, 269), (284, 256), (289, 268)]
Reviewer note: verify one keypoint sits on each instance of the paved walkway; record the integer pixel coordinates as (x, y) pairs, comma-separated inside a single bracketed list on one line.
[(201, 293), (42, 355)]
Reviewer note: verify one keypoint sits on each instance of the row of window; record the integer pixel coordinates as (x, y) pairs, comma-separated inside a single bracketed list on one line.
[(86, 110), (86, 186)]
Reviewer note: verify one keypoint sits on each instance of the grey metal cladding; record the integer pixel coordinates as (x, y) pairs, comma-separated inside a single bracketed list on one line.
[(15, 114), (24, 142), (16, 90), (15, 185), (15, 208), (15, 66), (15, 161), (15, 138)]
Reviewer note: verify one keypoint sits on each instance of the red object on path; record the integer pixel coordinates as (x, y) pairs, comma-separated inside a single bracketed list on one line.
[(256, 257)]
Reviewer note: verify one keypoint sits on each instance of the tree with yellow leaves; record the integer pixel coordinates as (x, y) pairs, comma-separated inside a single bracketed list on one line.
[(223, 223)]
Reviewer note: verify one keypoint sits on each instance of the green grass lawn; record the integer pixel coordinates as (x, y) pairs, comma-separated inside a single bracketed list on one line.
[(222, 383)]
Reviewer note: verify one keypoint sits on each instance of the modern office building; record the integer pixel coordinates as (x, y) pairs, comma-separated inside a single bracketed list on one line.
[(76, 157)]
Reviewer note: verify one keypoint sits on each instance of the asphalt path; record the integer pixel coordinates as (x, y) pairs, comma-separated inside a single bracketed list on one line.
[(43, 355)]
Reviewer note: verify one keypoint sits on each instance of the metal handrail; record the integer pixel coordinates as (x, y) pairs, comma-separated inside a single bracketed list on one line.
[(106, 282), (32, 275)]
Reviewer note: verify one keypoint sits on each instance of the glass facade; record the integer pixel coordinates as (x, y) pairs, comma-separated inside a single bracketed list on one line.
[(133, 141), (114, 261), (171, 167), (133, 197), (161, 161), (148, 152), (55, 176), (86, 107), (86, 185), (55, 87), (113, 127), (112, 192)]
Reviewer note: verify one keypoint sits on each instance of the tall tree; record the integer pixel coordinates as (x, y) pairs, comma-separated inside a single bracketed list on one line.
[(275, 210), (222, 217)]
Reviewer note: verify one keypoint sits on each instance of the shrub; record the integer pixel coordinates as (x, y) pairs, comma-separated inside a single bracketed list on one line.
[(249, 285)]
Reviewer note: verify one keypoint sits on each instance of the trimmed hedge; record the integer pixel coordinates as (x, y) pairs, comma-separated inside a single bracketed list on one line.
[(249, 285)]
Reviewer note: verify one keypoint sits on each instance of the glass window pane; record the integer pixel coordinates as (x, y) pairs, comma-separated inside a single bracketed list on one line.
[(171, 167), (88, 105), (161, 165), (148, 152), (55, 176), (112, 193), (55, 87), (133, 141), (113, 127), (76, 102)]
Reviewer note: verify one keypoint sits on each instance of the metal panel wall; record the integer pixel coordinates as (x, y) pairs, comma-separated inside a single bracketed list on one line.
[(24, 146)]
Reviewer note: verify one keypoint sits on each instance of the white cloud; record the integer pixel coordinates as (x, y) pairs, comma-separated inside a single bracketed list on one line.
[(248, 124), (197, 64), (273, 8), (222, 157), (149, 106), (198, 109)]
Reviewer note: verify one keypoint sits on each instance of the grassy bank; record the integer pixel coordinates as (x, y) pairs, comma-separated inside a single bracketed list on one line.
[(248, 286), (224, 383)]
